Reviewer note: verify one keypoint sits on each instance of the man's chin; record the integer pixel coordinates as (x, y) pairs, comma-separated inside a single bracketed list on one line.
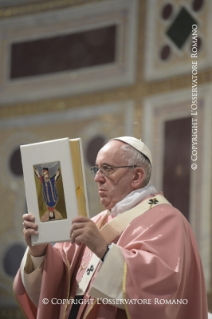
[(106, 203)]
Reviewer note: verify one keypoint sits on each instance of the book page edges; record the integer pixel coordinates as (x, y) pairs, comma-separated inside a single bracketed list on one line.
[(81, 195)]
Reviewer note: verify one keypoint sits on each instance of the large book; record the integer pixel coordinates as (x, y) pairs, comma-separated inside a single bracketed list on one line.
[(55, 187)]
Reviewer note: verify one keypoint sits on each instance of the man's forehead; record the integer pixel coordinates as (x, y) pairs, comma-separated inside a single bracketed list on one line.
[(112, 146), (110, 150)]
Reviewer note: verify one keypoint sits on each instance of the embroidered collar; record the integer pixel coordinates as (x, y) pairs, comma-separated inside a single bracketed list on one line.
[(133, 199)]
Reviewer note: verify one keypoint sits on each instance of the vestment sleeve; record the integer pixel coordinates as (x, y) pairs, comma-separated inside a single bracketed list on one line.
[(49, 280), (31, 274), (108, 282)]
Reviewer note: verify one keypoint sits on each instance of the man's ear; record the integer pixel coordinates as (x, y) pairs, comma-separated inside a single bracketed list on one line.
[(138, 177)]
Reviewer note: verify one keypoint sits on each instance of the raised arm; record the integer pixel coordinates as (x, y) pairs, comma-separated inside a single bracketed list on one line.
[(30, 228)]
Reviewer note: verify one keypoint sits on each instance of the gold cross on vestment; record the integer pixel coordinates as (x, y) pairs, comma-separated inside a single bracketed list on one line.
[(153, 201)]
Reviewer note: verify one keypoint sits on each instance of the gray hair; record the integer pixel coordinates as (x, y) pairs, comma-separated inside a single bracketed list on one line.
[(134, 157)]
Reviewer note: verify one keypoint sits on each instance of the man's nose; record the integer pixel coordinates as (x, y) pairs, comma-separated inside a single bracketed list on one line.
[(99, 176)]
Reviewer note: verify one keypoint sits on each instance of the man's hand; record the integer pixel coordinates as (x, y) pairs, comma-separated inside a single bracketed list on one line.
[(30, 227), (84, 231)]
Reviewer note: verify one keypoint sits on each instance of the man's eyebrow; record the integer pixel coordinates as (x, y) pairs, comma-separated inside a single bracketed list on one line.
[(104, 164)]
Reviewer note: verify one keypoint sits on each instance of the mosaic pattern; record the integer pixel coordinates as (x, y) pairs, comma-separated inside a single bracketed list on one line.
[(181, 27), (169, 37)]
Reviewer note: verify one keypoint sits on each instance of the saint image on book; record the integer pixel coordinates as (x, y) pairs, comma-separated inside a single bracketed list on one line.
[(48, 175)]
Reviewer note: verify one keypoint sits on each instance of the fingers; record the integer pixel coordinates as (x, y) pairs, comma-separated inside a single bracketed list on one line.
[(28, 232), (76, 230), (88, 234), (84, 231), (29, 221), (85, 224), (76, 236), (78, 223), (28, 224), (77, 226), (29, 217), (80, 219), (29, 227)]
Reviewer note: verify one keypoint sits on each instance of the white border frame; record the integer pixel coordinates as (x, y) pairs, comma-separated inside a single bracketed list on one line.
[(44, 152)]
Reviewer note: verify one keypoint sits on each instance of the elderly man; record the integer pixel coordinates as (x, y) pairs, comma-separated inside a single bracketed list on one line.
[(138, 259)]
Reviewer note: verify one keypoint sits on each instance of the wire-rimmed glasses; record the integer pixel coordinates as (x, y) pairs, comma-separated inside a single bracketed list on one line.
[(107, 170)]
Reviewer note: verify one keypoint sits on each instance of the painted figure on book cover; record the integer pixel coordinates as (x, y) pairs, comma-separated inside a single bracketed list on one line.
[(48, 174)]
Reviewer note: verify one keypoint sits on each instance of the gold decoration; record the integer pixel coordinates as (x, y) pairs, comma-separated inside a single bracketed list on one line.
[(39, 7), (78, 192), (153, 201), (124, 290), (78, 177)]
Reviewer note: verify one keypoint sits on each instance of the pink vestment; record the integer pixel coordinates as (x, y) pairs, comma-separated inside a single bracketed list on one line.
[(163, 276)]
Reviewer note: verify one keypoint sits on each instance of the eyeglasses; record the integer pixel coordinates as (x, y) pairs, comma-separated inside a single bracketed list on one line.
[(108, 170)]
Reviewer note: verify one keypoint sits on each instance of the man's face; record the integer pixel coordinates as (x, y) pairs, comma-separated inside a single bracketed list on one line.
[(115, 187), (45, 174)]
